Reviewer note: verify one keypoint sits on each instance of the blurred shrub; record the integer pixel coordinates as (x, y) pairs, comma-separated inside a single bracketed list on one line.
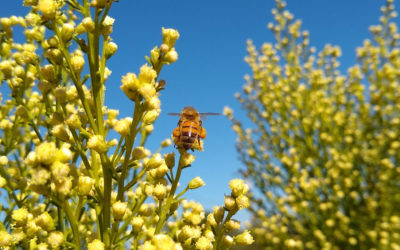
[(323, 150)]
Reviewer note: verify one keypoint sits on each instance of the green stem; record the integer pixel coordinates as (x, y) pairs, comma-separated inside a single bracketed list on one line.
[(164, 212), (74, 224)]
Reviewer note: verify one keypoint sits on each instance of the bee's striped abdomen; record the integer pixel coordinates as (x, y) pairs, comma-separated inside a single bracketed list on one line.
[(189, 134)]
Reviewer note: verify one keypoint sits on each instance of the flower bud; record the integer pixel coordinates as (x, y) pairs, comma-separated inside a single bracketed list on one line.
[(45, 221), (110, 49), (88, 23), (148, 128), (155, 55), (232, 225), (96, 245), (164, 48), (160, 191), (139, 153), (64, 154), (60, 132), (230, 203), (107, 26), (54, 55), (238, 187), (227, 241), (147, 90), (48, 8), (204, 243), (137, 224), (171, 56), (130, 85), (170, 160), (97, 143), (80, 29), (3, 182), (20, 216), (150, 116), (61, 94), (48, 72), (244, 238), (196, 183), (62, 186), (3, 160), (166, 143), (152, 103), (77, 63), (46, 152), (155, 161), (218, 214), (67, 31), (119, 209), (187, 159), (242, 201), (85, 184), (55, 239), (73, 121), (169, 37), (147, 74), (123, 126), (5, 239)]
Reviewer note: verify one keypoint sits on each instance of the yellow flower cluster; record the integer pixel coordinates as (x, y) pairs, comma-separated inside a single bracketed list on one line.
[(324, 148)]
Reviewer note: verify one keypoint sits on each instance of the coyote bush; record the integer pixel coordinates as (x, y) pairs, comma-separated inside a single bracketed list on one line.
[(323, 148)]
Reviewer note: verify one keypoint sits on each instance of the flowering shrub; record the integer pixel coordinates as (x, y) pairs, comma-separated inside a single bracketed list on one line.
[(323, 152), (65, 182)]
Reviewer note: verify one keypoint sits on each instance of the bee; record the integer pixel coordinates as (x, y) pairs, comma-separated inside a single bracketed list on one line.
[(190, 129)]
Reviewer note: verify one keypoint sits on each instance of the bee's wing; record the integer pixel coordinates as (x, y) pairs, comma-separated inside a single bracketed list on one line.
[(178, 114), (204, 115)]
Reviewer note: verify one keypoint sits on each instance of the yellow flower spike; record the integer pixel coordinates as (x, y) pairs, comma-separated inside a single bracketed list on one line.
[(48, 8), (55, 239), (3, 182), (96, 245)]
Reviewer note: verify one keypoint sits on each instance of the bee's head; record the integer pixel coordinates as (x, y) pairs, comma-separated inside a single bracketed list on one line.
[(190, 113)]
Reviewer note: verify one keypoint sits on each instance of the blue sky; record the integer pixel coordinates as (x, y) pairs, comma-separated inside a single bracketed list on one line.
[(211, 63)]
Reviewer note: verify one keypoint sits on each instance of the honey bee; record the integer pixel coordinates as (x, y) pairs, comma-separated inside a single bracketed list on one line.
[(190, 129)]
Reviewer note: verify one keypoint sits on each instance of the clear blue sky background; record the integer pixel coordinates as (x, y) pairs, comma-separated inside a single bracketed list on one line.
[(210, 68)]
